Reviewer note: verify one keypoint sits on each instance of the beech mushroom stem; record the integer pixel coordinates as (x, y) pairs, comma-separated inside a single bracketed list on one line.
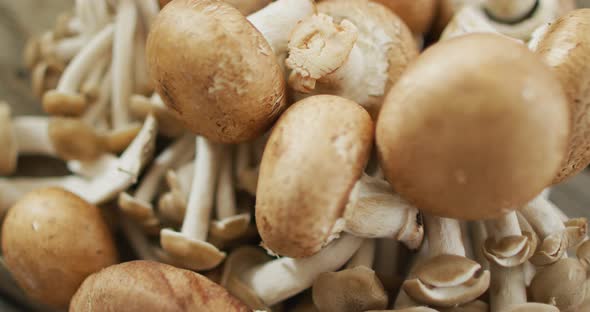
[(92, 83), (32, 136), (509, 11), (540, 213), (444, 236), (506, 225), (364, 256), (99, 109), (280, 279)]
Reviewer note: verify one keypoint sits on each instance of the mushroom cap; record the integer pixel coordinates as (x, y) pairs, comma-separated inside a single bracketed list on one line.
[(238, 262), (386, 42), (565, 47), (531, 307), (417, 14), (247, 7), (230, 228), (60, 103), (190, 253), (510, 251), (447, 281), (555, 245), (136, 208), (73, 139), (484, 133), (9, 154), (356, 289), (583, 253), (569, 275), (139, 286), (215, 70), (314, 156), (51, 241), (117, 140)]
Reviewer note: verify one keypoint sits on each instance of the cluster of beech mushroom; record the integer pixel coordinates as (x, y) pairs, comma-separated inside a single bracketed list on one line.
[(337, 155)]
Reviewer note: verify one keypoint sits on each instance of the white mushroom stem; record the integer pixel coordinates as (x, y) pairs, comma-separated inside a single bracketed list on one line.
[(99, 108), (125, 23), (148, 10), (364, 256), (280, 279), (469, 19), (479, 235), (226, 199), (140, 73), (373, 210), (81, 64), (504, 226), (32, 136), (540, 214), (277, 20), (509, 11), (92, 84), (444, 236), (172, 205), (65, 49), (90, 169), (200, 203)]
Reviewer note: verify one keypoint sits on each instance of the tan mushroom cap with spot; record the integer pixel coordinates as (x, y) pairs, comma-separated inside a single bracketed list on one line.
[(477, 126), (314, 156), (566, 48), (384, 39), (215, 70), (139, 286), (417, 14), (51, 241)]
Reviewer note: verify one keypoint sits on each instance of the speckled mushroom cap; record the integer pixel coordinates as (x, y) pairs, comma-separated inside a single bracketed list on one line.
[(51, 241), (475, 128), (314, 156), (386, 42), (565, 46), (417, 14), (215, 70), (139, 286)]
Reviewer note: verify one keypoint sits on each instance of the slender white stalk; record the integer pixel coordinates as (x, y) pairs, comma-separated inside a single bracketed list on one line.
[(32, 136), (64, 49), (479, 235), (226, 200), (148, 10), (140, 73), (92, 84), (540, 213), (280, 279), (444, 236), (126, 21), (364, 256), (200, 203), (99, 109)]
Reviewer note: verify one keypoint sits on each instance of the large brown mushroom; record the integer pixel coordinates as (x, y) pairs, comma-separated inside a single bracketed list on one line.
[(479, 134), (51, 241), (139, 286)]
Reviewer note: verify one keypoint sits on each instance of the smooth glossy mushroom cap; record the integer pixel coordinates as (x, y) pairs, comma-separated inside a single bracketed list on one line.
[(417, 14), (248, 6), (356, 289), (531, 307), (51, 241), (314, 156), (192, 254), (561, 284), (565, 46), (63, 104), (139, 286), (474, 128), (215, 70), (9, 154)]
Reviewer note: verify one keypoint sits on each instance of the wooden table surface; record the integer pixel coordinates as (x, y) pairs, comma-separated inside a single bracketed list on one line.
[(21, 18)]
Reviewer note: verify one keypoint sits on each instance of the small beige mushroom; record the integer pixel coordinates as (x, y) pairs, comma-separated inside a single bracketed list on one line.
[(583, 254), (531, 307), (298, 211), (260, 283), (560, 284), (189, 247), (139, 286), (426, 147), (417, 14), (355, 49), (247, 7)]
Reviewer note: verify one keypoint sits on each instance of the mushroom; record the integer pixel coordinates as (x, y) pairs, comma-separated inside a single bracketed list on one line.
[(328, 140), (507, 249), (446, 278), (555, 235), (531, 307), (45, 76), (356, 288), (248, 6), (470, 146), (469, 19), (99, 109), (564, 46), (138, 286), (473, 306), (53, 235), (90, 169), (172, 205), (355, 49), (189, 247), (189, 37), (142, 83), (412, 309), (561, 284), (229, 224), (417, 14), (139, 207), (91, 86), (65, 99), (141, 106), (260, 283)]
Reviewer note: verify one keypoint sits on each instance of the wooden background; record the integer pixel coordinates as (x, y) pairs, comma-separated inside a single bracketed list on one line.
[(19, 19)]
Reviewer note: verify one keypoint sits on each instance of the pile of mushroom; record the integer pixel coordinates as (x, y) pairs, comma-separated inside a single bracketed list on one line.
[(344, 155)]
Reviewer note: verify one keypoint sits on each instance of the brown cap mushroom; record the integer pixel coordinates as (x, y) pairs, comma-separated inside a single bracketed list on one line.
[(248, 6), (560, 284), (139, 286), (531, 307), (191, 37), (356, 49), (565, 47), (327, 139), (417, 14), (51, 241), (471, 130)]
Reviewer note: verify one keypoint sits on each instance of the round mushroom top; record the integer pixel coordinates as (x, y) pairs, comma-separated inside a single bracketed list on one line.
[(571, 277), (565, 46), (215, 70), (139, 286), (51, 241), (315, 154), (417, 14), (476, 127)]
